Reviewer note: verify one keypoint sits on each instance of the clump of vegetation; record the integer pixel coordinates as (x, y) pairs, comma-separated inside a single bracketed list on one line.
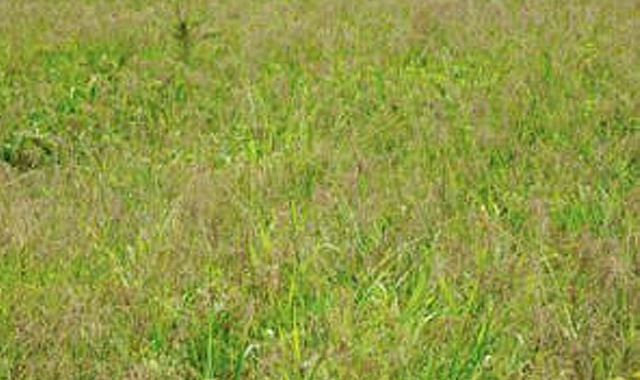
[(183, 33), (187, 31), (29, 150)]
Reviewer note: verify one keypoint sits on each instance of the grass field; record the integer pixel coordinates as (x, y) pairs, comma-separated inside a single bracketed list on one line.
[(335, 189)]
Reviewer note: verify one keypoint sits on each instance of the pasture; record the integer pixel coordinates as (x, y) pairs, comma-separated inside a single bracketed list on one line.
[(327, 190)]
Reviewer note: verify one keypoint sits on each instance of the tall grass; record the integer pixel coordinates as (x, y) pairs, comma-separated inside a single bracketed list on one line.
[(402, 189)]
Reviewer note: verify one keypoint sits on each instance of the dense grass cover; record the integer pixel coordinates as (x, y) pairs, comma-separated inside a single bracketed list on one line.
[(335, 189)]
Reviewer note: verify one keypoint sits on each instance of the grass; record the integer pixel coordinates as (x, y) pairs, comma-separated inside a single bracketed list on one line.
[(428, 190)]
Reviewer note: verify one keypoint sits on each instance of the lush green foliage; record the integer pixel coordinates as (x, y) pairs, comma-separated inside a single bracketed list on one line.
[(383, 189)]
